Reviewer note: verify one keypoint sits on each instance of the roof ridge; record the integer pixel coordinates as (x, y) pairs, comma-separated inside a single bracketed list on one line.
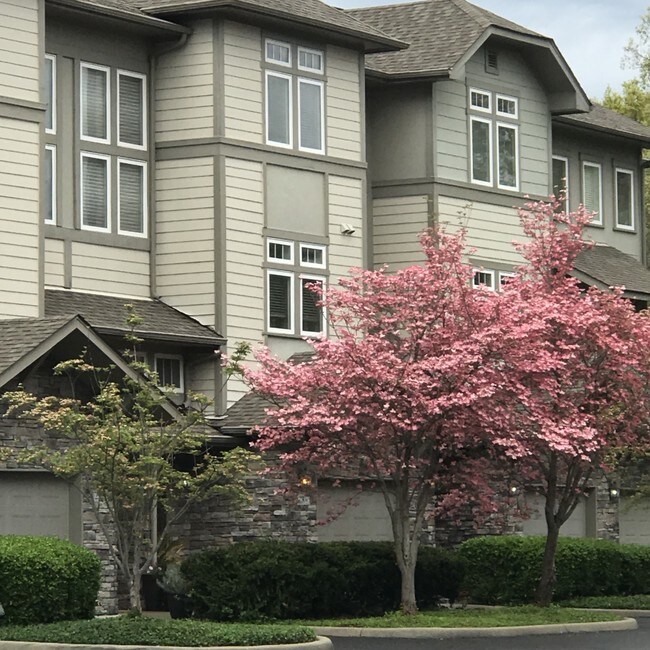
[(386, 6), (472, 11)]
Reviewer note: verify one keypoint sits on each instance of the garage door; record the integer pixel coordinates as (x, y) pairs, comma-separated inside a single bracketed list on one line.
[(365, 519), (575, 526), (34, 504), (634, 521)]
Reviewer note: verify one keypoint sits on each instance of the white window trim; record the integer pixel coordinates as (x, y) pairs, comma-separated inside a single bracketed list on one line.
[(52, 148), (513, 116), (143, 78), (320, 53), (145, 207), (273, 73), (52, 57), (88, 154), (598, 220), (484, 287), (87, 138), (308, 264), (312, 82), (630, 173), (477, 181), (282, 242), (480, 108), (313, 278), (181, 371), (292, 307), (565, 160), (275, 61), (515, 128), (505, 274)]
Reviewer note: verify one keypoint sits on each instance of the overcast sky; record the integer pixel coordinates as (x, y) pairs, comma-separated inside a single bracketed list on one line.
[(591, 34)]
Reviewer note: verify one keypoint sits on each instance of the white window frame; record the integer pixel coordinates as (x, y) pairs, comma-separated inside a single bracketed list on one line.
[(52, 148), (99, 156), (509, 98), (86, 138), (292, 306), (321, 85), (145, 207), (319, 247), (271, 41), (281, 242), (630, 173), (313, 278), (308, 50), (598, 220), (52, 91), (143, 78), (515, 128), (565, 160), (490, 182), (503, 275), (181, 371), (484, 287), (487, 94), (281, 75)]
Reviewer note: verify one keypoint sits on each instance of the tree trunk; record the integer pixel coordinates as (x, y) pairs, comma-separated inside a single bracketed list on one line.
[(135, 601), (546, 585), (408, 603)]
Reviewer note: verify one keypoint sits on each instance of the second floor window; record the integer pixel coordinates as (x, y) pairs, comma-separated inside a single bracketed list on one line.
[(294, 96), (592, 191), (624, 199)]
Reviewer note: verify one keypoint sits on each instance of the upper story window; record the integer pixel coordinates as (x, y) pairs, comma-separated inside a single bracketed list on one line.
[(592, 190), (294, 91), (494, 143), (560, 180), (169, 368), (131, 117), (95, 103), (50, 93), (292, 306), (624, 190)]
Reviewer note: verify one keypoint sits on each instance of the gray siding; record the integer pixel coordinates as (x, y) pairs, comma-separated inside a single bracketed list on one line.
[(450, 132), (185, 254), (54, 252), (243, 96), (397, 224), (185, 88)]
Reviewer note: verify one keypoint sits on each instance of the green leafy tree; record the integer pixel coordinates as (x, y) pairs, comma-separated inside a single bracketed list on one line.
[(121, 451)]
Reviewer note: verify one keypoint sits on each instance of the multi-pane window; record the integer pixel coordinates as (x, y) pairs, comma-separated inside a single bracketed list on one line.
[(131, 118), (293, 307), (560, 180), (95, 98), (294, 97), (169, 368), (132, 197), (592, 196), (494, 144), (483, 279), (50, 93), (50, 184), (95, 192), (624, 199)]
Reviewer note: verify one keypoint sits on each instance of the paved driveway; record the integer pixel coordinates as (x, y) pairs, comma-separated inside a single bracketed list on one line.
[(634, 640)]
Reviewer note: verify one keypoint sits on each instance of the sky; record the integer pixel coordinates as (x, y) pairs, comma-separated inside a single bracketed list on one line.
[(591, 34)]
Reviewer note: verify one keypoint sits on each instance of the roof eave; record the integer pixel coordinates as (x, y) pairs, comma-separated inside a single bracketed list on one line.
[(567, 121), (160, 336), (593, 281)]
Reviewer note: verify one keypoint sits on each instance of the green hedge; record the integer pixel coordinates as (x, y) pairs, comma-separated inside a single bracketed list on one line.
[(43, 579), (284, 580), (507, 569)]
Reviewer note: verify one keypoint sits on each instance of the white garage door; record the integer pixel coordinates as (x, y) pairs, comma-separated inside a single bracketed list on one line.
[(365, 519), (34, 504), (634, 521), (575, 526)]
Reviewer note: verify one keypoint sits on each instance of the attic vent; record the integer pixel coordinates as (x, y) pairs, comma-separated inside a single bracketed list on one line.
[(491, 61)]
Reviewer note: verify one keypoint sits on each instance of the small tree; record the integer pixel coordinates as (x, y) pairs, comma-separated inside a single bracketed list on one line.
[(399, 394), (121, 451)]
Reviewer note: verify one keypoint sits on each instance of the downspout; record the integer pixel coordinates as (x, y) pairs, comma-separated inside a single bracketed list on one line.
[(151, 136)]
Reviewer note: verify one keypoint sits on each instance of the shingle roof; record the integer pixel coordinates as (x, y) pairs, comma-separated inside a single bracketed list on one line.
[(606, 120), (612, 268), (313, 12), (20, 336), (106, 314), (439, 32)]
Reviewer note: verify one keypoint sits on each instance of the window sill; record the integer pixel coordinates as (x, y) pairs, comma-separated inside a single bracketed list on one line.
[(627, 231)]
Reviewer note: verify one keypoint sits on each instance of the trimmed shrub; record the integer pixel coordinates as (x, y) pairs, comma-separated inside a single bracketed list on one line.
[(284, 580), (504, 570), (43, 579)]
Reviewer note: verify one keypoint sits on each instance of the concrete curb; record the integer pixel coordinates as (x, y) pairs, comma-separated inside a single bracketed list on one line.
[(634, 613), (470, 632), (320, 644)]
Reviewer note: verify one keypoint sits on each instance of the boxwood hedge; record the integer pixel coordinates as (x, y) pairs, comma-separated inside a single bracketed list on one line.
[(43, 579)]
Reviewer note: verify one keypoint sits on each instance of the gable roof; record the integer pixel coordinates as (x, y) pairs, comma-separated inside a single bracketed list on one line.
[(606, 266), (106, 315), (606, 120)]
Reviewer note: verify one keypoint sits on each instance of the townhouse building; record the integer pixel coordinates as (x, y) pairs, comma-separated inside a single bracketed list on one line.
[(205, 160)]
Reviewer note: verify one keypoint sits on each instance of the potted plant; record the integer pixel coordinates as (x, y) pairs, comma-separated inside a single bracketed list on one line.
[(176, 586)]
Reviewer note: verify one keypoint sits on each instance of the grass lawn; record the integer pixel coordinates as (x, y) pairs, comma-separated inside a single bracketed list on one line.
[(498, 617), (611, 602), (149, 631)]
